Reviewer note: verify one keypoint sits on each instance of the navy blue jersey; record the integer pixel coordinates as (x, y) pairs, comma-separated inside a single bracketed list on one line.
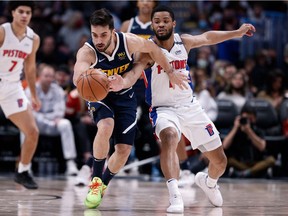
[(141, 29), (121, 106), (119, 63)]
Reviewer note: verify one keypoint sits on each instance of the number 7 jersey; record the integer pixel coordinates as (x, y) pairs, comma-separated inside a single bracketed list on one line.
[(13, 52), (159, 91)]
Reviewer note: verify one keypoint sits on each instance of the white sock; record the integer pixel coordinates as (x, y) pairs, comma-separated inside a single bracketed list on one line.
[(23, 167), (172, 185), (211, 182)]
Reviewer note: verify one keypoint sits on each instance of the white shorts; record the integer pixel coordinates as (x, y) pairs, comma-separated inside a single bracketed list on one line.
[(12, 97), (191, 120)]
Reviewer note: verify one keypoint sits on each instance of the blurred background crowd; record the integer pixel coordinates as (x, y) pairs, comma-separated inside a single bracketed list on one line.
[(236, 77)]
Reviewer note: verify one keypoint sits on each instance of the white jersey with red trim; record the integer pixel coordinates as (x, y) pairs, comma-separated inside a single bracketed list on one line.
[(159, 91), (13, 52)]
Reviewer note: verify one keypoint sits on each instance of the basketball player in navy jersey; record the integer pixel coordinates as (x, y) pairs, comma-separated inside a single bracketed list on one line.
[(141, 26), (113, 52), (176, 111), (18, 47)]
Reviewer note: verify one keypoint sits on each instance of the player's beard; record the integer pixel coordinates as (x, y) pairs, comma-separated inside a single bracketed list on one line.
[(107, 45), (164, 37)]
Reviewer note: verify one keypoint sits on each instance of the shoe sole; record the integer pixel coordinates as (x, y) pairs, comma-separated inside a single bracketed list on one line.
[(91, 205), (198, 184), (28, 187)]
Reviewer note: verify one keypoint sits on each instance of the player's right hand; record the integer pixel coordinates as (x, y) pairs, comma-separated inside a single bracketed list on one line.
[(179, 79), (36, 103)]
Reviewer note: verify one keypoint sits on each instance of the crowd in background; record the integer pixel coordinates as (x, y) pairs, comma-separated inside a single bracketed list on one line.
[(235, 70)]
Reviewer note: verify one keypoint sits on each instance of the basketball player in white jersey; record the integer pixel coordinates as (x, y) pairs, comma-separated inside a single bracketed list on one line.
[(176, 111), (18, 47)]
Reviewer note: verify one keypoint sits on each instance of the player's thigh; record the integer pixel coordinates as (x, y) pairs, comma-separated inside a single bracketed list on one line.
[(13, 99), (200, 130), (125, 126)]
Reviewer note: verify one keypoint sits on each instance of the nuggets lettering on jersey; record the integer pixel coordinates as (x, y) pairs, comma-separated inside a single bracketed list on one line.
[(13, 53), (119, 62), (159, 91)]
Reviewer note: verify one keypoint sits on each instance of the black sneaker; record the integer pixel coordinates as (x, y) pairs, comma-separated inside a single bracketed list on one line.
[(26, 180)]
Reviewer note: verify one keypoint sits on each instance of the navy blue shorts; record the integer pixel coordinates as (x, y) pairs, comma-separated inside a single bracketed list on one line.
[(122, 107)]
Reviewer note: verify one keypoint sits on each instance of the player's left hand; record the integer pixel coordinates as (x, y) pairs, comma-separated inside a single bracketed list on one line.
[(36, 103), (247, 29), (116, 83)]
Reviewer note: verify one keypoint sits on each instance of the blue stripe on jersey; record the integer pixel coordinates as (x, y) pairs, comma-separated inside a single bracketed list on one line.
[(120, 64), (190, 78), (153, 116), (148, 93)]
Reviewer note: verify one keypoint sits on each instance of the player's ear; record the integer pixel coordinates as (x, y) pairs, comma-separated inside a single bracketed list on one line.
[(174, 23)]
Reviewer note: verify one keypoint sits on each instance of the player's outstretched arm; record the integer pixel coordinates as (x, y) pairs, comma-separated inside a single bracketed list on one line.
[(136, 43), (215, 37), (85, 57), (117, 82)]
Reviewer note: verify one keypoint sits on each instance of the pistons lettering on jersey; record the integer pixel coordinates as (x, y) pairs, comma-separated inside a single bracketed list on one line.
[(209, 129), (14, 53), (176, 64), (117, 70)]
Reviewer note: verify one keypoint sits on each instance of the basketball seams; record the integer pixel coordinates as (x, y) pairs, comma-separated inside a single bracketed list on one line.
[(91, 87), (99, 82)]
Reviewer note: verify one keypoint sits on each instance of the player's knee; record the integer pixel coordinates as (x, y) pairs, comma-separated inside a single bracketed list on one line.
[(123, 150), (105, 128), (169, 136), (32, 133)]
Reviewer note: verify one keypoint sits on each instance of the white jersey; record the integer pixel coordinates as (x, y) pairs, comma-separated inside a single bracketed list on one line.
[(159, 91), (13, 52)]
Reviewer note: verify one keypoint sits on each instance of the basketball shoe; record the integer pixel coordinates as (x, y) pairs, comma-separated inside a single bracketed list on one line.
[(83, 176), (26, 180), (213, 194), (95, 193), (175, 198)]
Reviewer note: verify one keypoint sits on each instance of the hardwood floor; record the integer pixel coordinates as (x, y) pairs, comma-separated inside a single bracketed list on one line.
[(133, 197)]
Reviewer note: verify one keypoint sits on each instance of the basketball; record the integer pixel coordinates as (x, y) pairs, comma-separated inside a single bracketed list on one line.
[(92, 85)]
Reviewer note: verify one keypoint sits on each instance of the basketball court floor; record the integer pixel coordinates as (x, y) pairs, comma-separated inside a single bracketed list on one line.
[(135, 197)]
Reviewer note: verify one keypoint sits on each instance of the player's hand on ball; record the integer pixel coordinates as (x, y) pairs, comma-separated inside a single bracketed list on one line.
[(116, 83)]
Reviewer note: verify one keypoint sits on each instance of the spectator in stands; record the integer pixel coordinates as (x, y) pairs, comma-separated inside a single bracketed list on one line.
[(75, 109), (49, 53), (205, 92), (246, 147), (275, 90), (50, 118), (73, 29), (236, 90), (222, 73)]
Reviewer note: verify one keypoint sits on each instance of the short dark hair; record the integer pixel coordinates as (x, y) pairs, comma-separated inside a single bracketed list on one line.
[(102, 17), (15, 4), (162, 8)]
